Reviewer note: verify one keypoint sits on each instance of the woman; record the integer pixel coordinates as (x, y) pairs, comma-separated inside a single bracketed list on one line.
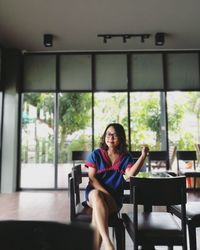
[(108, 166)]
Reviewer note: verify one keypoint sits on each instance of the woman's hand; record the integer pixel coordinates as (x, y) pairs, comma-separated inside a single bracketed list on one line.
[(145, 150), (138, 164)]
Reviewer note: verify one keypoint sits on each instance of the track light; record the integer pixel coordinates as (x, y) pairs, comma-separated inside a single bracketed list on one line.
[(124, 37), (48, 40), (159, 39)]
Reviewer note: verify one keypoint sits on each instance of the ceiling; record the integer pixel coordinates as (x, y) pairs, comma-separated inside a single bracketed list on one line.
[(76, 23)]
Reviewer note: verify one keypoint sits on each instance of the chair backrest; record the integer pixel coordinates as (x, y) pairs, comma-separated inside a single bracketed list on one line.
[(197, 146), (72, 198), (44, 235), (160, 156), (172, 155), (158, 191), (79, 156), (135, 154), (77, 176), (186, 156)]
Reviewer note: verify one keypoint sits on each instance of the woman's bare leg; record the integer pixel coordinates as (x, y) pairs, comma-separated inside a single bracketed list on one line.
[(101, 212), (98, 239)]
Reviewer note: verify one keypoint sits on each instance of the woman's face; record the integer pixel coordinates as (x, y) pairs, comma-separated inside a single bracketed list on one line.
[(111, 138)]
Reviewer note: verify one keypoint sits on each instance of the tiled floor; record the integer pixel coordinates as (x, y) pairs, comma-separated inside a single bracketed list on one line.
[(53, 206)]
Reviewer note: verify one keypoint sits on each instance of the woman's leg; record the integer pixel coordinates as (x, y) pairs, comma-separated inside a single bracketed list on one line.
[(98, 239), (100, 205)]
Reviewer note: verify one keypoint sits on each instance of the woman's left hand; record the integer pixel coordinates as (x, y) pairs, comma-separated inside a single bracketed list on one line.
[(145, 150)]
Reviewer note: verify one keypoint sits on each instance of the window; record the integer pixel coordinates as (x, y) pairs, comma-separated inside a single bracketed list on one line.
[(183, 119), (37, 141), (74, 130), (147, 120), (69, 99), (108, 108)]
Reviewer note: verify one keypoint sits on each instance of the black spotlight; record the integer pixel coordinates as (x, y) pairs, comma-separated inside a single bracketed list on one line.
[(48, 40), (159, 39)]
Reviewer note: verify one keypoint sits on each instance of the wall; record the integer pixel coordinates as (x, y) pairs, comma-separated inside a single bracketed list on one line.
[(10, 76)]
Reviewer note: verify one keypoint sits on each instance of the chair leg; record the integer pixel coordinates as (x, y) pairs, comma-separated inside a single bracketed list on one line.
[(136, 247), (120, 236), (192, 236), (113, 233)]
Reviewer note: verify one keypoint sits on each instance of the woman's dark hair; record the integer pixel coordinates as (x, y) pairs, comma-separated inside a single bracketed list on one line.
[(119, 129)]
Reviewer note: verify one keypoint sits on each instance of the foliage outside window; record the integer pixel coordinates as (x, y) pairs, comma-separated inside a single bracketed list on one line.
[(184, 119), (147, 125), (74, 124), (145, 120), (108, 108)]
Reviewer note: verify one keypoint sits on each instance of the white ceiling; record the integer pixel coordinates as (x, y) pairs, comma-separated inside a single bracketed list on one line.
[(76, 23)]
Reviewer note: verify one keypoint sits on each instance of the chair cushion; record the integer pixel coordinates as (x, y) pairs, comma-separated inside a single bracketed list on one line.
[(192, 211), (191, 173), (160, 228), (83, 213), (158, 224)]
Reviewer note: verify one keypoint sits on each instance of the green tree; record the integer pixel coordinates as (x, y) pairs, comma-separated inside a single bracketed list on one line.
[(74, 113), (193, 106)]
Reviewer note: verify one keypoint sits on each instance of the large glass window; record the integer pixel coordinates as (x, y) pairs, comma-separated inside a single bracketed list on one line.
[(183, 119), (74, 130), (109, 107), (37, 142), (147, 120), (89, 91)]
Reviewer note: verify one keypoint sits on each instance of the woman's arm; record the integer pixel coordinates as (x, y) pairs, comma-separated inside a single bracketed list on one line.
[(94, 182), (138, 164)]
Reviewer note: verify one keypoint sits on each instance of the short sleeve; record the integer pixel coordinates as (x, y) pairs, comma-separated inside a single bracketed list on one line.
[(91, 160), (129, 161)]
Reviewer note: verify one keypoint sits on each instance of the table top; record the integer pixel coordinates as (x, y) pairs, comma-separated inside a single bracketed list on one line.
[(153, 174)]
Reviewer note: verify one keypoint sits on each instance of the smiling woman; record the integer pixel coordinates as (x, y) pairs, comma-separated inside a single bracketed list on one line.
[(107, 166)]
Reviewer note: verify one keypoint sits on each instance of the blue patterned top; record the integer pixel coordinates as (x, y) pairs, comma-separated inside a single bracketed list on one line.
[(110, 176)]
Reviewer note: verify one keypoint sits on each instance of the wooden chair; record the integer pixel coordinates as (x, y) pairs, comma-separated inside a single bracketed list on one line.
[(192, 220), (197, 146), (150, 228), (79, 156), (158, 159), (136, 155), (80, 213), (188, 156), (44, 235)]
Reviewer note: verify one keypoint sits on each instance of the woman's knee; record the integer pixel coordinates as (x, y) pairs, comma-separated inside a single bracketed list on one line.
[(96, 195)]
